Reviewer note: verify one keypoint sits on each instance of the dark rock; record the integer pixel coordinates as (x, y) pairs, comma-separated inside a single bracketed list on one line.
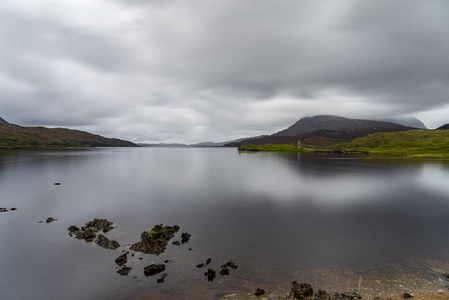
[(49, 220), (208, 261), (166, 261), (177, 243), (114, 245), (156, 240), (124, 271), (301, 291), (200, 265), (406, 296), (162, 278), (232, 265), (107, 228), (350, 296), (78, 234), (224, 270), (104, 242), (13, 208), (190, 249), (122, 259), (99, 224), (322, 295), (445, 275), (210, 274), (185, 237), (259, 292), (57, 183), (154, 269), (40, 222), (73, 228), (3, 210), (89, 234)]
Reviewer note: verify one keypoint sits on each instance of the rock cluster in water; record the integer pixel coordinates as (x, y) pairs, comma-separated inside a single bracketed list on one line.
[(156, 240), (90, 230), (210, 273), (4, 209), (304, 291)]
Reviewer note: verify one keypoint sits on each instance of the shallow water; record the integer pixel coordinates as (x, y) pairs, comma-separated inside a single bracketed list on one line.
[(326, 220)]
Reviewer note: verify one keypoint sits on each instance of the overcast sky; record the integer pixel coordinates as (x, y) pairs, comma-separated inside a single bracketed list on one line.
[(192, 71)]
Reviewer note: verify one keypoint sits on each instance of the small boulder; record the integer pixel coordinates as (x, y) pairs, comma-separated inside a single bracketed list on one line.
[(231, 264), (200, 265), (73, 228), (185, 237), (406, 296), (89, 234), (208, 261), (259, 292), (177, 243), (13, 208), (122, 259), (49, 220), (162, 278), (224, 270), (301, 291), (154, 269), (210, 274)]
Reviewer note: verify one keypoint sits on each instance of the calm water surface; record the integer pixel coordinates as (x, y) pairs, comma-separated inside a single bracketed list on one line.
[(329, 221)]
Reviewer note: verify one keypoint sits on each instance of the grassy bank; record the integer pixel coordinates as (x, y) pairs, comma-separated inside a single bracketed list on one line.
[(269, 148), (407, 144)]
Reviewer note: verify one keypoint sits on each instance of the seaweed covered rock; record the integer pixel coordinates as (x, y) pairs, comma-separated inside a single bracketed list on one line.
[(153, 269), (156, 240), (104, 242), (224, 270)]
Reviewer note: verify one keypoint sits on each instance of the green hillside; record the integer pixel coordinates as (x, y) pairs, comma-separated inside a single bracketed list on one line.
[(18, 137), (410, 144)]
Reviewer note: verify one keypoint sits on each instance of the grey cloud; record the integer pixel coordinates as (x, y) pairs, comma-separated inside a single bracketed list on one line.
[(184, 70)]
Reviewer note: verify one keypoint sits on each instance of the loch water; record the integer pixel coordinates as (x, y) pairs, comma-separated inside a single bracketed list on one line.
[(380, 226)]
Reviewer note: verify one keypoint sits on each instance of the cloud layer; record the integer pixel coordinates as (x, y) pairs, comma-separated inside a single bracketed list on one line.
[(191, 71)]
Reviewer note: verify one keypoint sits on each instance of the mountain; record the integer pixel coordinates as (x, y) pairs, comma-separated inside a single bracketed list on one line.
[(324, 130), (443, 127), (14, 136), (406, 121)]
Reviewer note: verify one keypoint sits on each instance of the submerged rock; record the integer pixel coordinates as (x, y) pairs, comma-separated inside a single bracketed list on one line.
[(153, 269), (200, 265), (210, 274), (124, 271), (122, 259), (177, 243), (156, 240)]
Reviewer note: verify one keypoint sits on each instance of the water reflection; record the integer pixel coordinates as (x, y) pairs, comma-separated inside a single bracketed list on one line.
[(281, 217)]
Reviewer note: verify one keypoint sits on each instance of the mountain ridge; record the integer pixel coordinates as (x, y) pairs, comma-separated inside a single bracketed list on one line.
[(324, 130), (13, 136)]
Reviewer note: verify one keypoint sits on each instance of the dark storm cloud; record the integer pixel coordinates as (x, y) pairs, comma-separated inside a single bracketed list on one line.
[(201, 70)]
